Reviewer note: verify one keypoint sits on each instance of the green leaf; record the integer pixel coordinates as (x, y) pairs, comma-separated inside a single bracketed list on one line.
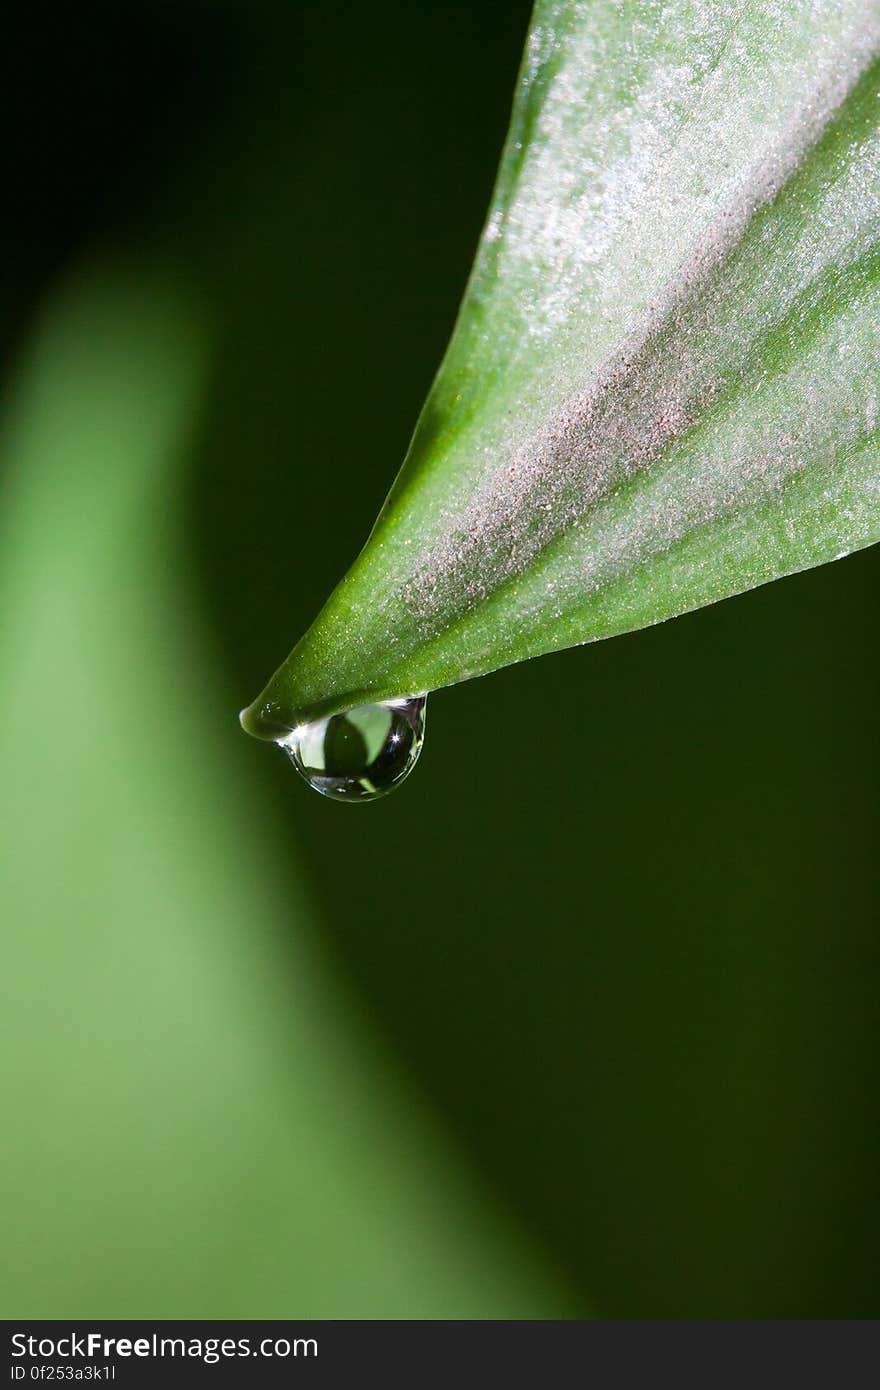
[(662, 386)]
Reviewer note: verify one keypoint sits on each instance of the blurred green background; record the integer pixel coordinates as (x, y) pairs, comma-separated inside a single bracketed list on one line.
[(583, 1020)]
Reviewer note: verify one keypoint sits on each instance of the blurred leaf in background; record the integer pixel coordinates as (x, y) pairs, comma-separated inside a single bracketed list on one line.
[(618, 935), (197, 1125)]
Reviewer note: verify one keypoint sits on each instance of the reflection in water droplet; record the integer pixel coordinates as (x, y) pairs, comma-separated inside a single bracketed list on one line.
[(361, 754)]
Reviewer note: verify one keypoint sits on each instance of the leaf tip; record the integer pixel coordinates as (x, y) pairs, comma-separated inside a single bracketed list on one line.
[(262, 720)]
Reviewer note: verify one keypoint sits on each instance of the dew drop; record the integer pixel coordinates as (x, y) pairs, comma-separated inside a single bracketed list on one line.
[(362, 753)]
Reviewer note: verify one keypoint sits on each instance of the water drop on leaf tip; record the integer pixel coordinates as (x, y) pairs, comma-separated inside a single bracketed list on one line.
[(362, 753)]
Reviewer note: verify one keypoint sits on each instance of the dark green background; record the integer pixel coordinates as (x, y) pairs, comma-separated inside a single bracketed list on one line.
[(620, 927)]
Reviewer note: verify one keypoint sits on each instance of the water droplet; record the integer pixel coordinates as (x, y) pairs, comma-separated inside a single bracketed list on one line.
[(360, 754)]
